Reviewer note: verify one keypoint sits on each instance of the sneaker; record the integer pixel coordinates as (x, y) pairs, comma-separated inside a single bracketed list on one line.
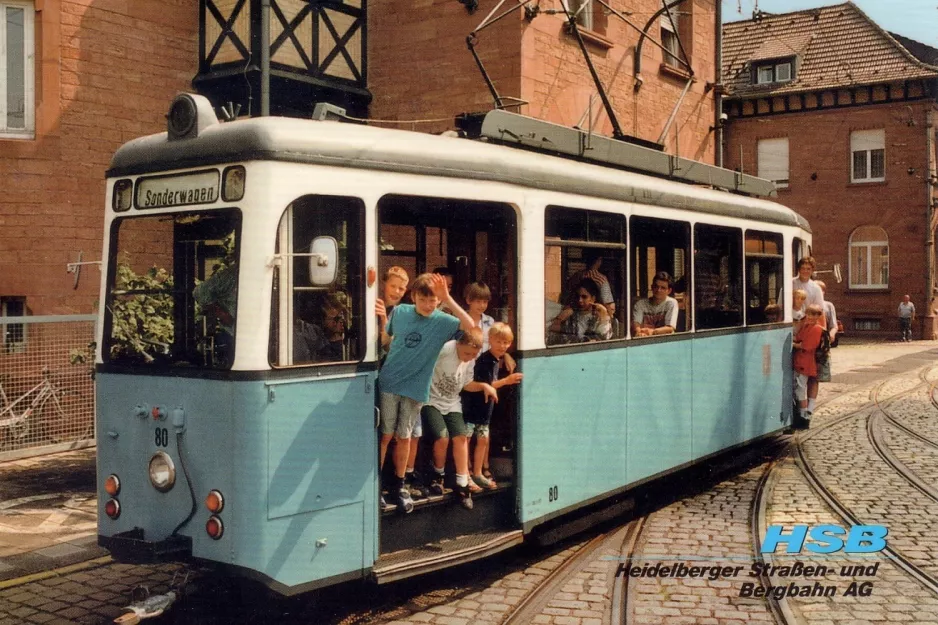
[(465, 497), (436, 485), (384, 504), (484, 482), (404, 502), (415, 486)]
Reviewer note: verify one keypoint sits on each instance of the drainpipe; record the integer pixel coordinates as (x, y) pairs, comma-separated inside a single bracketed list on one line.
[(928, 320), (718, 90), (265, 58)]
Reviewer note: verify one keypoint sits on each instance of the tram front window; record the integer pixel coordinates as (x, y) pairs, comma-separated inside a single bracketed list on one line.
[(173, 289)]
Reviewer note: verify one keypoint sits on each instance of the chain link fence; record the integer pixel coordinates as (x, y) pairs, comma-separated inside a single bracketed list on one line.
[(46, 384)]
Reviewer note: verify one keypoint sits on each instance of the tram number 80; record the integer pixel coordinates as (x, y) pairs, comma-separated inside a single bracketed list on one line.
[(552, 494), (161, 437)]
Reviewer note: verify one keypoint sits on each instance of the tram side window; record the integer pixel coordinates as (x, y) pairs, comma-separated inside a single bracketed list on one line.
[(659, 245), (313, 323), (765, 261), (584, 275), (718, 277)]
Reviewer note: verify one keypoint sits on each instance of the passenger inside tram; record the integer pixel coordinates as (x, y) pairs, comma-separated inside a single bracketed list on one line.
[(325, 340), (588, 321), (657, 314)]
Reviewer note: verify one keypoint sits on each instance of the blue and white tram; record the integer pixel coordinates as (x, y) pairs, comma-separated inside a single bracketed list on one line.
[(224, 436)]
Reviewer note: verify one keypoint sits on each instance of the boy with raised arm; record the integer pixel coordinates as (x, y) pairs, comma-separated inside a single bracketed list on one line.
[(416, 333)]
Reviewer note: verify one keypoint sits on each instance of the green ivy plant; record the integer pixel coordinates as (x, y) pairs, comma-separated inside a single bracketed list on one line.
[(141, 313)]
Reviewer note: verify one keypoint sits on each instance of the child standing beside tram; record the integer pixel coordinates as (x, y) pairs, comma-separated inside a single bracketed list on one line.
[(416, 333), (806, 342)]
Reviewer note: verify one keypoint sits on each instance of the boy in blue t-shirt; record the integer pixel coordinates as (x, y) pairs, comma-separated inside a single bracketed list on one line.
[(416, 333)]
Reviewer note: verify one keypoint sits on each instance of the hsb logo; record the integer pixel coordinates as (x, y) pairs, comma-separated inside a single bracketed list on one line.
[(826, 538)]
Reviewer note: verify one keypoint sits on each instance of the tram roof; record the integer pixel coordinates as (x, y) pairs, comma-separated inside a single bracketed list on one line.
[(363, 147)]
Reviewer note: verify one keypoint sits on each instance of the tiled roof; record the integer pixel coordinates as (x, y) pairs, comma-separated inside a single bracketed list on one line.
[(836, 46)]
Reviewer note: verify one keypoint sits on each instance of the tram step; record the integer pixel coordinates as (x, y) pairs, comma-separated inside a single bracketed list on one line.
[(442, 517), (443, 554)]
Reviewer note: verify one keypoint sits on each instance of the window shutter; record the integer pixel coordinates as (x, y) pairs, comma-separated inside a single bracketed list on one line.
[(867, 140), (773, 160)]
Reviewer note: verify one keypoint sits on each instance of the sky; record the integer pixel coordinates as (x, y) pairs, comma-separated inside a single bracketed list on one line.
[(916, 19)]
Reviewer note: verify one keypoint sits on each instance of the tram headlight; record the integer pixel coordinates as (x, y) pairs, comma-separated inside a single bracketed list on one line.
[(112, 485), (162, 471)]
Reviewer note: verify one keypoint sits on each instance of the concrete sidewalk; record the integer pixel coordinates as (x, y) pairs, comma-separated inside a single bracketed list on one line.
[(48, 503), (47, 513)]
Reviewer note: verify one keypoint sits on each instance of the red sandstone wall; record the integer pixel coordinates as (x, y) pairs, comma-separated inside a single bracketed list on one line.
[(106, 71), (419, 68)]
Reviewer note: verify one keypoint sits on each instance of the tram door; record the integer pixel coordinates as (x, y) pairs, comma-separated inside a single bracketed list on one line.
[(475, 242), (320, 405)]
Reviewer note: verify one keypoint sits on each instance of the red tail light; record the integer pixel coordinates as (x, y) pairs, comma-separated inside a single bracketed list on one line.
[(214, 527), (112, 508)]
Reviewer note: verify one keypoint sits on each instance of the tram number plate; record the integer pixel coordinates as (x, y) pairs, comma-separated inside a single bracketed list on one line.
[(552, 494), (161, 437)]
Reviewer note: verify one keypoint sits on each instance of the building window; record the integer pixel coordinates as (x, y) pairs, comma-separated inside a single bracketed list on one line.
[(869, 258), (583, 9), (774, 72), (867, 324), (17, 117), (773, 161), (670, 41), (14, 334), (868, 149)]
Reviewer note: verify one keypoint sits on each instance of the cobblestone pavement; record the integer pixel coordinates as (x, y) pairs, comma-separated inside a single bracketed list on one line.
[(711, 528)]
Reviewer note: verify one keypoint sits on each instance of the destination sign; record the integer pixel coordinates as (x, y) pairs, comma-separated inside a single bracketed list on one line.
[(200, 187)]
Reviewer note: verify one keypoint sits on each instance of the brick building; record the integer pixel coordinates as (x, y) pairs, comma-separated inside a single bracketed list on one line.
[(84, 76), (420, 68), (841, 114), (95, 73)]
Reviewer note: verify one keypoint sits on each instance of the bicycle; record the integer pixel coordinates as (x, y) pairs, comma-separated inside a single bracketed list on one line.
[(15, 426)]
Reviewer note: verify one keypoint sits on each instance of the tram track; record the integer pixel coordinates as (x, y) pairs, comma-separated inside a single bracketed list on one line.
[(834, 503), (620, 584), (780, 610), (536, 600)]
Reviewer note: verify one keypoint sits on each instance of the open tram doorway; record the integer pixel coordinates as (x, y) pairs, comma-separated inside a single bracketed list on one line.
[(477, 243)]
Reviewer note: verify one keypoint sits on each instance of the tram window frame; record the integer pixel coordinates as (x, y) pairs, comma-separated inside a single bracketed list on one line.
[(647, 234), (305, 312), (711, 314), (574, 231), (763, 249), (446, 233), (151, 289)]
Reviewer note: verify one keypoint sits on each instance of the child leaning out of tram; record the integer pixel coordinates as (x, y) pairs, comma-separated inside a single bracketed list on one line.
[(477, 409), (451, 374), (806, 342), (415, 333)]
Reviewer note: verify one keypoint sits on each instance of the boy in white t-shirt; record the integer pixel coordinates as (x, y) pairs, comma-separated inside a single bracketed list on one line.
[(443, 413)]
